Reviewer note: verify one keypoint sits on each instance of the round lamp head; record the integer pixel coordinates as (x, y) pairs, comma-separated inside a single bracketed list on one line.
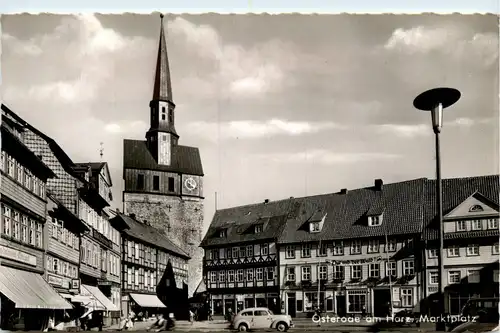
[(429, 99)]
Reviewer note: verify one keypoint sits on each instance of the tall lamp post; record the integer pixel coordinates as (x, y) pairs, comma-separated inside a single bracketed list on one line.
[(435, 101)]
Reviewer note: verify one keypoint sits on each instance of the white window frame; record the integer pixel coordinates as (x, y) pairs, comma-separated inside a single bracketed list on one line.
[(315, 227), (249, 275), (391, 266), (240, 275), (453, 251), (408, 267), (493, 223), (213, 277), (338, 272), (323, 272), (305, 273), (290, 274), (338, 248), (473, 250), (374, 270), (461, 226), (322, 250), (477, 225), (356, 247), (495, 249), (290, 252), (359, 272), (407, 297), (373, 246), (259, 274), (391, 245), (454, 274), (230, 276), (305, 251), (433, 275), (433, 253), (375, 220)]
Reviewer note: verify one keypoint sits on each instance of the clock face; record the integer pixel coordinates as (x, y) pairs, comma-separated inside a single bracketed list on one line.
[(190, 183)]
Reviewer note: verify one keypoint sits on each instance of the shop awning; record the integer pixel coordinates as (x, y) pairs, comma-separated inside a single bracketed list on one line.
[(86, 300), (29, 290), (147, 301), (99, 296)]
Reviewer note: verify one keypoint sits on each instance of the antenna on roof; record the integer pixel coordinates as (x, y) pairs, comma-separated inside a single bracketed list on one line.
[(101, 150)]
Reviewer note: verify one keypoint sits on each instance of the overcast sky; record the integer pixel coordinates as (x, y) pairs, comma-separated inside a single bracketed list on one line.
[(279, 105)]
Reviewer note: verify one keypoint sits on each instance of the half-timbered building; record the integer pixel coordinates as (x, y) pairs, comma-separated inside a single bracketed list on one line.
[(240, 266)]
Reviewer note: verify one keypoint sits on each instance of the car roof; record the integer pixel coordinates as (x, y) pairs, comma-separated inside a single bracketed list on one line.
[(252, 309)]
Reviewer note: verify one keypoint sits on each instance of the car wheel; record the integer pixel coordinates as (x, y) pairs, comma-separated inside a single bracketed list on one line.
[(243, 328), (282, 327)]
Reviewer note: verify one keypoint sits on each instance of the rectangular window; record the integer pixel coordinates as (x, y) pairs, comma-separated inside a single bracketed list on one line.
[(19, 170), (338, 272), (493, 224), (264, 249), (356, 247), (270, 273), (222, 276), (306, 251), (453, 277), (476, 225), (306, 273), (32, 232), (259, 273), (408, 267), (213, 277), (374, 270), (290, 273), (391, 245), (338, 248), (156, 183), (250, 251), (433, 253), (136, 277), (137, 253), (323, 272), (357, 272), (494, 249), (322, 250), (433, 278), (239, 275), (6, 217), (55, 265), (16, 225), (235, 252), (461, 226), (473, 276), (2, 161), (374, 221), (373, 246), (11, 167), (473, 250), (24, 229), (315, 227), (250, 274), (129, 275), (406, 297), (140, 182), (171, 184), (391, 269), (39, 235), (453, 251), (230, 276), (290, 252)]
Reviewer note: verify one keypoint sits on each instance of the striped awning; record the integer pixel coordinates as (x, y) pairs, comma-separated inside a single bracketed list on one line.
[(147, 301), (100, 297), (29, 290)]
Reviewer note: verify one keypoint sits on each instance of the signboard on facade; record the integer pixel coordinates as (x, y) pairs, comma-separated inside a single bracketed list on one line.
[(102, 239), (59, 281), (13, 254), (75, 284)]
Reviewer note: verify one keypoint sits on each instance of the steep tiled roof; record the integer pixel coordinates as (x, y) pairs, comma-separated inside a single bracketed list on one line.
[(347, 213), (455, 191), (148, 234), (136, 155), (237, 222)]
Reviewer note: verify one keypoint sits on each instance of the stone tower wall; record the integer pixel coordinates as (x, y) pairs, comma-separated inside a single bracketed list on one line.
[(181, 219)]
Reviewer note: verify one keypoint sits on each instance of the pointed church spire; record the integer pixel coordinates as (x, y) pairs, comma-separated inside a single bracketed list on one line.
[(162, 90)]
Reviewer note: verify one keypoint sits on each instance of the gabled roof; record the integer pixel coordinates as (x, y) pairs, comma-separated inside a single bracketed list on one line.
[(146, 234), (347, 213), (95, 168), (237, 221), (456, 191), (186, 160)]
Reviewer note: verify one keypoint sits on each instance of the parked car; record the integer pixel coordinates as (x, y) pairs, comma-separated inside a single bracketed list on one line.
[(482, 313), (261, 318)]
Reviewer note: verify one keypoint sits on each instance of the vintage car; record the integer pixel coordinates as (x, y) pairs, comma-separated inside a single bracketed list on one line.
[(261, 318)]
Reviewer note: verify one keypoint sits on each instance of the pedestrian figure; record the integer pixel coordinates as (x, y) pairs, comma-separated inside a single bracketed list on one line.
[(363, 311), (191, 317)]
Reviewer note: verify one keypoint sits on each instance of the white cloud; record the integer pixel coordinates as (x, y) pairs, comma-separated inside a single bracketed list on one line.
[(90, 51), (452, 41), (255, 129), (244, 72), (326, 157)]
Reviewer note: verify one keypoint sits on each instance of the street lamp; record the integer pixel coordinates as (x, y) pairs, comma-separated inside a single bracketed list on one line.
[(436, 100)]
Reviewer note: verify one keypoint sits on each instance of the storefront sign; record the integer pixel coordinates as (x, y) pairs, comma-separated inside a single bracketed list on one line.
[(356, 261), (59, 281), (13, 254), (260, 295), (75, 284)]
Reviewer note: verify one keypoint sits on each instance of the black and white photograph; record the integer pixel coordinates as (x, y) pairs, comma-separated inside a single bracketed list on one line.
[(256, 172)]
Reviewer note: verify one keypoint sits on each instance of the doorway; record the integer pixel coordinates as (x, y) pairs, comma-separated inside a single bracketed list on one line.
[(292, 309), (381, 302), (341, 307)]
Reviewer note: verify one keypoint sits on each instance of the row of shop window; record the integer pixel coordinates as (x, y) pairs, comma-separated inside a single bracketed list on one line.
[(21, 227), (455, 276), (241, 275), (248, 251), (60, 267), (466, 225), (23, 176)]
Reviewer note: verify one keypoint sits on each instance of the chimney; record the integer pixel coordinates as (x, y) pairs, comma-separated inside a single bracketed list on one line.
[(291, 197), (266, 201), (379, 184), (132, 215), (343, 191)]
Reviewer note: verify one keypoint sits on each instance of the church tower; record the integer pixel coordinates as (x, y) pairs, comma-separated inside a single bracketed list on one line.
[(164, 180)]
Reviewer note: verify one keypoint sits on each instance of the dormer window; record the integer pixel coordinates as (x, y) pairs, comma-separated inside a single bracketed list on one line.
[(374, 220), (315, 227), (258, 228), (316, 223), (223, 233)]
